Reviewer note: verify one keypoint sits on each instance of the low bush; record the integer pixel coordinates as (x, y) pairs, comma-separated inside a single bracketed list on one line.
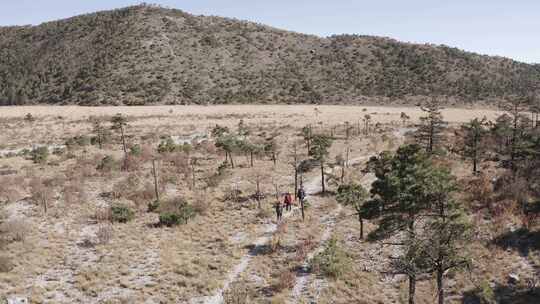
[(167, 146), (39, 155), (332, 261), (29, 118), (175, 212), (135, 150), (153, 206), (121, 214), (107, 164), (237, 294)]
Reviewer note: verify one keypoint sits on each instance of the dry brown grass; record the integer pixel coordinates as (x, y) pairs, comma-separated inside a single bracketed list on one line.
[(15, 229), (176, 264)]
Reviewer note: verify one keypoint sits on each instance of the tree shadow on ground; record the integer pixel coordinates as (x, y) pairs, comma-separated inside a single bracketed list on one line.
[(503, 294), (522, 240), (265, 249)]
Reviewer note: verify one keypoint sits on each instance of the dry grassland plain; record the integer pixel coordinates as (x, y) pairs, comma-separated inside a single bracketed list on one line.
[(72, 253)]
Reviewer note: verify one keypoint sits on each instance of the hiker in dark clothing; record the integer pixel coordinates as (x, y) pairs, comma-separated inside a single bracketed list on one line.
[(301, 194), (279, 210), (287, 201)]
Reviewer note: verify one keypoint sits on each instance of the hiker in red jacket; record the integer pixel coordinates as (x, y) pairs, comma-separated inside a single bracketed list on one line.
[(288, 201)]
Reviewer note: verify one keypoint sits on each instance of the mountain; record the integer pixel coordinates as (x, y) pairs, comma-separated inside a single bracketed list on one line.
[(151, 55)]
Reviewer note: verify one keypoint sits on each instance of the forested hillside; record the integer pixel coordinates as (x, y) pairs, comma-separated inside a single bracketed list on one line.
[(150, 55)]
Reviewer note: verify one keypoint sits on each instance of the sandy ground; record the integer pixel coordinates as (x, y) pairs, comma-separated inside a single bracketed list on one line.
[(325, 113)]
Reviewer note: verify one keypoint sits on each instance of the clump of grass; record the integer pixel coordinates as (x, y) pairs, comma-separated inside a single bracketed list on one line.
[(39, 155), (332, 261), (175, 212), (237, 294), (107, 164), (15, 229), (121, 214)]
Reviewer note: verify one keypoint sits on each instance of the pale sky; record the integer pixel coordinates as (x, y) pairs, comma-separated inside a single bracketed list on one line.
[(495, 27)]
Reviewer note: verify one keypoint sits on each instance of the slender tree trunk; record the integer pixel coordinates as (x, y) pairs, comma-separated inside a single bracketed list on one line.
[(475, 156), (274, 157), (431, 134), (251, 158), (154, 172), (513, 147), (302, 200), (226, 157), (295, 183), (440, 286), (193, 177), (232, 161), (347, 157), (124, 147), (342, 173), (44, 202), (322, 177), (302, 208), (412, 288), (474, 164), (123, 140), (361, 225), (258, 194), (99, 140)]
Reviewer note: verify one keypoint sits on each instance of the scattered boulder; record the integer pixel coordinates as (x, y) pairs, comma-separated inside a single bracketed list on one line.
[(513, 278), (17, 300)]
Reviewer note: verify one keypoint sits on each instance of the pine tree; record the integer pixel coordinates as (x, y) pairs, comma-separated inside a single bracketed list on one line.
[(399, 198), (307, 134), (230, 144), (319, 151), (119, 123), (354, 195), (431, 127), (447, 229), (100, 132), (473, 134)]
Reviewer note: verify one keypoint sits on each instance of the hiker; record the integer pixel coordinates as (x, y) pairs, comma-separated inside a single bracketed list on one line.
[(288, 201), (279, 210), (301, 194)]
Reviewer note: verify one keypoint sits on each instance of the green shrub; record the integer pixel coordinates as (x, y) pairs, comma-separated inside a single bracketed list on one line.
[(39, 155), (169, 219), (175, 212), (332, 261), (121, 214), (59, 151), (153, 206), (135, 150), (107, 164), (167, 146), (485, 293), (29, 118), (186, 148), (24, 152)]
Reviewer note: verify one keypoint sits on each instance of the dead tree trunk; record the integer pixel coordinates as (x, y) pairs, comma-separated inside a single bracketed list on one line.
[(154, 172)]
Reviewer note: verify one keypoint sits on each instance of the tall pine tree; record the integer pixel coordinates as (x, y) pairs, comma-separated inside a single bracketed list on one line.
[(431, 127)]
